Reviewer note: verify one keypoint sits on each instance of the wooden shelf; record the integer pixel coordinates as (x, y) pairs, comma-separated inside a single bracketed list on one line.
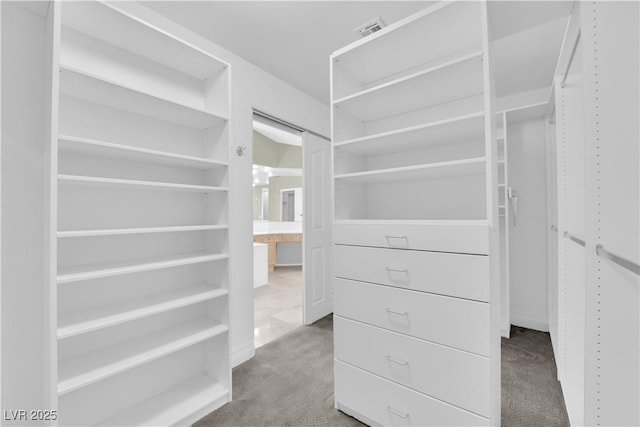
[(94, 319), (76, 274), (175, 406), (448, 81), (475, 166), (87, 369), (85, 146), (450, 131), (142, 230), (378, 56), (94, 88), (98, 19), (134, 184)]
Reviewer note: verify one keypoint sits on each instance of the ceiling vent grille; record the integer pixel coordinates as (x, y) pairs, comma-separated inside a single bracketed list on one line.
[(370, 27)]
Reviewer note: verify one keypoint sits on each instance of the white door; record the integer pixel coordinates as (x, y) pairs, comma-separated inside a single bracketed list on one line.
[(316, 256)]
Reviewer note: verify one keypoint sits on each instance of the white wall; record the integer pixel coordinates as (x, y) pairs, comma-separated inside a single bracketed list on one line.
[(528, 239), (251, 87), (23, 147)]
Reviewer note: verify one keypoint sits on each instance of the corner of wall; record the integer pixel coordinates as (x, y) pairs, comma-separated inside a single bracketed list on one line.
[(530, 320)]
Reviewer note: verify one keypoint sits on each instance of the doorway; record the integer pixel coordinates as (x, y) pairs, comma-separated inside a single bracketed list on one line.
[(291, 231), (291, 204), (278, 229)]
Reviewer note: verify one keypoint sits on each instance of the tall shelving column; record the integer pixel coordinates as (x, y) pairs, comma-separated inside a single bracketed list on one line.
[(417, 314), (140, 254), (504, 218)]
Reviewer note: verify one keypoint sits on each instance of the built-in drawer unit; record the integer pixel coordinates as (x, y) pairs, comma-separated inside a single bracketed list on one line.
[(378, 401), (457, 377), (471, 237), (460, 275), (454, 322)]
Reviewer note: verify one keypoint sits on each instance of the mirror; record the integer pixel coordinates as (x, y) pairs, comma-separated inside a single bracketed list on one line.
[(277, 172)]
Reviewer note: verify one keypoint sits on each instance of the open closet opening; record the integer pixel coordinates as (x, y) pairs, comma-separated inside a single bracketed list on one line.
[(277, 229)]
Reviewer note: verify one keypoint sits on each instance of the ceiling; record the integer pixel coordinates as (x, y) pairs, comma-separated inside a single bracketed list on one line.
[(293, 39), (290, 39)]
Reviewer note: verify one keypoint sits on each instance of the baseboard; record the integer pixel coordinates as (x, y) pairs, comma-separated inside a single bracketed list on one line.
[(355, 414), (242, 354), (530, 321), (505, 329)]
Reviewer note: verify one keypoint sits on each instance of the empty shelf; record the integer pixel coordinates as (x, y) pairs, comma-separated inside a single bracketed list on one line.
[(79, 84), (529, 112), (86, 369), (450, 131), (98, 19), (440, 23), (475, 166), (98, 318), (135, 184), (141, 230), (75, 274), (445, 82), (85, 146), (176, 406)]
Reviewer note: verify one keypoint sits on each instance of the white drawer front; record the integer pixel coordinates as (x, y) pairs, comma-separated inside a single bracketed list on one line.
[(465, 276), (457, 377), (358, 392), (470, 239), (454, 322)]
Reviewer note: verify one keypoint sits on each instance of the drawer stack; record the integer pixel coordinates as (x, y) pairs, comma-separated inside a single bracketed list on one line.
[(416, 310), (412, 326)]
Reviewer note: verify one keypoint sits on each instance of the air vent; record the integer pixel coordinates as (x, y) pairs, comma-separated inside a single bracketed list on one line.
[(370, 27)]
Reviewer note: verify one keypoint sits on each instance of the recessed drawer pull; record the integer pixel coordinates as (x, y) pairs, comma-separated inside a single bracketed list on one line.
[(391, 359), (395, 270), (399, 313), (390, 238), (405, 416)]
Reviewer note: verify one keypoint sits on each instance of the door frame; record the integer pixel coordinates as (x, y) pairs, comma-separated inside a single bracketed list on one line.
[(329, 194)]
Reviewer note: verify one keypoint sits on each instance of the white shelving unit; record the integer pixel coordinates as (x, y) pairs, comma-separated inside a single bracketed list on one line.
[(416, 185), (139, 173), (504, 221)]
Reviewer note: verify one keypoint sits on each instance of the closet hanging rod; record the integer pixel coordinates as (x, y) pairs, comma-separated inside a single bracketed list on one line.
[(574, 238), (622, 262), (288, 124)]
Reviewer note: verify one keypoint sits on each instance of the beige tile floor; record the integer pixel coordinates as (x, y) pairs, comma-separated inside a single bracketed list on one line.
[(278, 305)]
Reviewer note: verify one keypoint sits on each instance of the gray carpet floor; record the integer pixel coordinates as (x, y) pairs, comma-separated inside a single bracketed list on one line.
[(290, 383)]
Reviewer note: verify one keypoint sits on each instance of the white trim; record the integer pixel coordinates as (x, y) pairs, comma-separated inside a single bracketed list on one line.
[(242, 354), (533, 321)]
